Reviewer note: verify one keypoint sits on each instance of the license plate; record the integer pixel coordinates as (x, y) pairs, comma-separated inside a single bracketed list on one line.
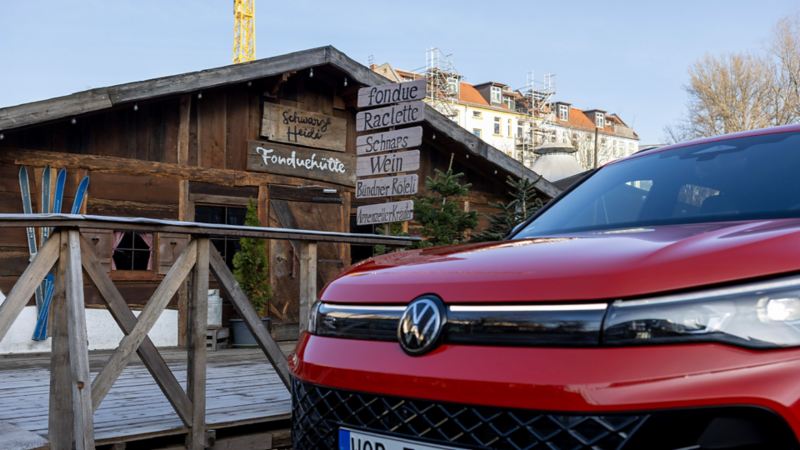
[(360, 440)]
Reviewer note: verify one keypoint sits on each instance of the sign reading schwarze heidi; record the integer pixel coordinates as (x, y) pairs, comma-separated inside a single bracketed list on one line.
[(320, 165), (296, 126)]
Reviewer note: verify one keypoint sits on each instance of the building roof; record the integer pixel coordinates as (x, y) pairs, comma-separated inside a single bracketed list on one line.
[(584, 120), (467, 93), (107, 97)]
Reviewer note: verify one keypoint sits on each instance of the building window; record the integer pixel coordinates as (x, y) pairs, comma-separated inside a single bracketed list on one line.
[(476, 132), (509, 103), (496, 95), (563, 112), (226, 215), (519, 130), (496, 125), (477, 115), (508, 128), (132, 251), (453, 86), (599, 120)]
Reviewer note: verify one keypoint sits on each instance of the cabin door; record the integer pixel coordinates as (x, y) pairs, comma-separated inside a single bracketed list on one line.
[(312, 208)]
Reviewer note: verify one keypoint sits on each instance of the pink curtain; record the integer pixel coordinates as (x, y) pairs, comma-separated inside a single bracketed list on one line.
[(148, 239), (118, 235)]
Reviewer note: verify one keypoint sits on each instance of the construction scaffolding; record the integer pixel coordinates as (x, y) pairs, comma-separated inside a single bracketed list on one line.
[(443, 82), (538, 125)]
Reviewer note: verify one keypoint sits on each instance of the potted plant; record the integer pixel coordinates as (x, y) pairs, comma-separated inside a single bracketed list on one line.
[(251, 270)]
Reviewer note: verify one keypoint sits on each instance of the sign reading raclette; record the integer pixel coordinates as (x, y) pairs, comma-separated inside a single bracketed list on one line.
[(390, 116)]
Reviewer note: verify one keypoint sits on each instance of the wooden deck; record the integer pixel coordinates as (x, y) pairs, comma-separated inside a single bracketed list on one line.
[(242, 388)]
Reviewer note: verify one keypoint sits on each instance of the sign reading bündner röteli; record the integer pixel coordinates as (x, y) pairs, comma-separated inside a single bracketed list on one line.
[(392, 105)]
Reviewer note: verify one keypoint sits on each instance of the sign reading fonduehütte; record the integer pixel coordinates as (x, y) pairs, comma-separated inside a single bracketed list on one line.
[(295, 126), (385, 163), (388, 94), (390, 116), (320, 165), (385, 212), (386, 141), (387, 186)]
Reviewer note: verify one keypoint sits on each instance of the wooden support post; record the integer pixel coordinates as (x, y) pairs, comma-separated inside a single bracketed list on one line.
[(196, 370), (83, 413), (246, 311), (126, 320), (27, 283), (60, 417), (152, 310), (308, 280)]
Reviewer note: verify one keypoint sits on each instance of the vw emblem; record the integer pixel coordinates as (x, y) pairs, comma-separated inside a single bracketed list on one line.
[(421, 325)]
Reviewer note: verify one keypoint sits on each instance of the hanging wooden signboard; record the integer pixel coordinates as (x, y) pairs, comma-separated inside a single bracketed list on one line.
[(390, 116), (387, 94), (387, 186), (389, 140), (295, 126), (385, 212), (382, 164), (320, 165)]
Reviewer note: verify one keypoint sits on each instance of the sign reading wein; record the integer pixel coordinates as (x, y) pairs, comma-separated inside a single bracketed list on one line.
[(385, 212), (296, 126), (387, 94), (281, 159), (387, 186), (390, 116)]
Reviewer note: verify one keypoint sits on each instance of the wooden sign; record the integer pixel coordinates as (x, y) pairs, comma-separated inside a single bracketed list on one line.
[(390, 116), (387, 186), (387, 94), (389, 140), (385, 213), (321, 165), (387, 163), (296, 126)]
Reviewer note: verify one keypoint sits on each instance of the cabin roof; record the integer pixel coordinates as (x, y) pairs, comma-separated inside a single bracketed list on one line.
[(98, 99)]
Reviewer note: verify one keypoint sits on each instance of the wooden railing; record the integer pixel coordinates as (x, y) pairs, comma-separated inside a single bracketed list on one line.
[(74, 396)]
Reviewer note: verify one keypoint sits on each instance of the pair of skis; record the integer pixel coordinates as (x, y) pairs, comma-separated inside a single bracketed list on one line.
[(44, 292)]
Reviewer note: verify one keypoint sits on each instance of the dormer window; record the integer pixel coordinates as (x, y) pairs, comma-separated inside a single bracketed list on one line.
[(599, 120), (510, 104), (563, 112), (496, 95)]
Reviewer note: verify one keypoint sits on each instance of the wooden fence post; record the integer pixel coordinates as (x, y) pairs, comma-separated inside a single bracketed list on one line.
[(196, 343), (83, 413), (60, 417), (308, 280)]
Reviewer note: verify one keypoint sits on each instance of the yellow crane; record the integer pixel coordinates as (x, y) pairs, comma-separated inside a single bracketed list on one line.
[(244, 31)]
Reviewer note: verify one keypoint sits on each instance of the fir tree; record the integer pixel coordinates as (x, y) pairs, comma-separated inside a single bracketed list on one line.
[(524, 203), (250, 265), (440, 211)]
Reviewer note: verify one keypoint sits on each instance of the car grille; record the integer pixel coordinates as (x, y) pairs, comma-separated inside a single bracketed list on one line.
[(318, 412)]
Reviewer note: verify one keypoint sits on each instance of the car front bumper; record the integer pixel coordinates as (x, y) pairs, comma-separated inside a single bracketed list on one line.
[(590, 394)]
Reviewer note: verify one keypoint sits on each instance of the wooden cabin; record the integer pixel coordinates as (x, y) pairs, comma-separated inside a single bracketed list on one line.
[(181, 148)]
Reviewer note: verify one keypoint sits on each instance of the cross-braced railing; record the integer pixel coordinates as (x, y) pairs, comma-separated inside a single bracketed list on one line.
[(74, 396)]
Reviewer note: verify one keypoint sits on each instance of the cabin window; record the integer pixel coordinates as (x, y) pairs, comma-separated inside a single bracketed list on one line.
[(132, 251), (227, 215), (563, 112)]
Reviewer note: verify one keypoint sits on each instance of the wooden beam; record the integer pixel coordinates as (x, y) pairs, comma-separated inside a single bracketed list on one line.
[(27, 283), (308, 280), (184, 114), (152, 310), (126, 320), (60, 416), (238, 298), (196, 370), (83, 414)]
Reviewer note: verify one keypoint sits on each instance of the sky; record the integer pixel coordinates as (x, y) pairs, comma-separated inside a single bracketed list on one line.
[(628, 57)]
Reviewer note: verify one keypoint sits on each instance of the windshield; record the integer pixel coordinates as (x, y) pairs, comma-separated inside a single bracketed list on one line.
[(736, 179)]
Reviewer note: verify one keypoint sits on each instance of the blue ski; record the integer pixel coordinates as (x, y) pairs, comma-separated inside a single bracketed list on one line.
[(80, 195), (27, 208)]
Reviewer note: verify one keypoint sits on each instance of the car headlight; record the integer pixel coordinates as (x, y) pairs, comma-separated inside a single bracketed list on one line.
[(313, 314), (760, 315)]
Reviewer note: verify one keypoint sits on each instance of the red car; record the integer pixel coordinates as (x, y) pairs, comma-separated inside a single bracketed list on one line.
[(656, 305)]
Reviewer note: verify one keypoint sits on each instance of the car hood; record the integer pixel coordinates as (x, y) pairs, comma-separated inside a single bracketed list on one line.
[(578, 267)]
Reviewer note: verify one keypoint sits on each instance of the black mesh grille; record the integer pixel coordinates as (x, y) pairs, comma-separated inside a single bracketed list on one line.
[(318, 413)]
